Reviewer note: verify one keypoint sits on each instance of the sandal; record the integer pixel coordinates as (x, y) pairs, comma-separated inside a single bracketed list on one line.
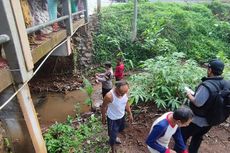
[(55, 27)]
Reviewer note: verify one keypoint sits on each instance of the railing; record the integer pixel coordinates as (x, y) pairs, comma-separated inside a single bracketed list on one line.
[(18, 43), (65, 17), (39, 27)]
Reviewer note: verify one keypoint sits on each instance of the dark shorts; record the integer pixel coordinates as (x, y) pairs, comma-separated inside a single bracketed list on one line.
[(114, 127), (105, 91)]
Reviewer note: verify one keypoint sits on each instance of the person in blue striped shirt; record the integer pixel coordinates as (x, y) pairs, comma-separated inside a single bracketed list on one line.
[(167, 126)]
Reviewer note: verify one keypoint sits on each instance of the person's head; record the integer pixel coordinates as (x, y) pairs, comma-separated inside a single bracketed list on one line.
[(215, 67), (119, 60), (108, 65), (183, 116), (121, 87)]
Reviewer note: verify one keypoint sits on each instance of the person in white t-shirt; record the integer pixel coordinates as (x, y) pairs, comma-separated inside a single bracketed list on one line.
[(167, 126), (114, 105)]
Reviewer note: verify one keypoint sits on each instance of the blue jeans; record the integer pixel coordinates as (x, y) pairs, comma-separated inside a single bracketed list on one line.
[(52, 8), (196, 133), (114, 127)]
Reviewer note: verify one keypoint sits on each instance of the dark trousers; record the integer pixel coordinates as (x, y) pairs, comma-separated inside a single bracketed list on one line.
[(105, 91), (114, 127), (196, 133)]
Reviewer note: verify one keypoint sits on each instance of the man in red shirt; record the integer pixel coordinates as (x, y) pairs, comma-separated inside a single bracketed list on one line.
[(119, 72)]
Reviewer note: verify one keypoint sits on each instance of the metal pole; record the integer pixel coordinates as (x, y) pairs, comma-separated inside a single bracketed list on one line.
[(38, 27), (98, 6), (4, 38), (67, 11), (85, 2), (134, 27), (76, 13)]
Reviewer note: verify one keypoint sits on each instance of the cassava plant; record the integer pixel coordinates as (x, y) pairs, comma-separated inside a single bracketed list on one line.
[(163, 80)]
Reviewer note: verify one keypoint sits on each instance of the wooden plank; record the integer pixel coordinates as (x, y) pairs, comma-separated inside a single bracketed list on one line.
[(16, 6), (47, 46), (77, 24), (6, 79), (56, 38), (29, 113)]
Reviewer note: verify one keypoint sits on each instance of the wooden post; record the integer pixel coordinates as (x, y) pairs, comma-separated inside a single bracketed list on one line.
[(134, 26), (14, 48), (30, 117), (23, 38)]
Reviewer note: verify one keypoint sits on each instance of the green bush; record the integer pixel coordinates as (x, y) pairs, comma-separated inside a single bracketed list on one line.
[(163, 28), (220, 10), (163, 80), (69, 138)]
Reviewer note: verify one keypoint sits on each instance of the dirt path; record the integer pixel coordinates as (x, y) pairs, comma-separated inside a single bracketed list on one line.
[(216, 141), (133, 138)]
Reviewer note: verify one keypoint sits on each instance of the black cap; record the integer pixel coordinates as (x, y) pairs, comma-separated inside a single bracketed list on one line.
[(217, 66)]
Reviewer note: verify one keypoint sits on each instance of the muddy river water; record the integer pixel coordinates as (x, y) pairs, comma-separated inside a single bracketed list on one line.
[(55, 107)]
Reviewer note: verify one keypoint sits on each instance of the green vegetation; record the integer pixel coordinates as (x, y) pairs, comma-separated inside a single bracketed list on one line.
[(7, 145), (88, 89), (168, 35), (77, 137), (164, 79), (200, 31), (172, 41)]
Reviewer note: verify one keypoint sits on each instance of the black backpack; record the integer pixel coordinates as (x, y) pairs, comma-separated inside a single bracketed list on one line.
[(218, 104)]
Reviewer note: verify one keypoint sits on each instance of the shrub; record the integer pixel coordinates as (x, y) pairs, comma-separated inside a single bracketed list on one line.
[(69, 138), (164, 79), (163, 28)]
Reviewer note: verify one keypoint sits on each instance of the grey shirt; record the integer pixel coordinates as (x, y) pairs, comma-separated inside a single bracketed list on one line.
[(106, 79), (201, 97)]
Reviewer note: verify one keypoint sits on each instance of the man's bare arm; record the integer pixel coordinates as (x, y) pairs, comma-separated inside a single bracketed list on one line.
[(107, 99), (128, 110)]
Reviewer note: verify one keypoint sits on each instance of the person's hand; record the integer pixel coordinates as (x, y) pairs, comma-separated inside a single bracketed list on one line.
[(103, 120), (130, 117), (188, 93)]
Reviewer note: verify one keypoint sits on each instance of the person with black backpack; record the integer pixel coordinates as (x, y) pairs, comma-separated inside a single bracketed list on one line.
[(210, 105)]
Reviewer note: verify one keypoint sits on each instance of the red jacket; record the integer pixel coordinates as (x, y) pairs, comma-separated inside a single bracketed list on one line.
[(119, 72)]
